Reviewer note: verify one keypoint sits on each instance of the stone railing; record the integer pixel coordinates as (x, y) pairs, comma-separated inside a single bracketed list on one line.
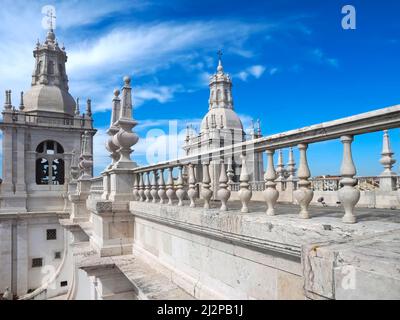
[(155, 183), (96, 185)]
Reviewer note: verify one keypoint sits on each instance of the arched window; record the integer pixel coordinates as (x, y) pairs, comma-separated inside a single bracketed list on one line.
[(50, 164)]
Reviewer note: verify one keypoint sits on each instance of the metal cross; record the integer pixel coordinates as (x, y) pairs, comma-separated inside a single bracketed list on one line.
[(219, 53), (51, 16)]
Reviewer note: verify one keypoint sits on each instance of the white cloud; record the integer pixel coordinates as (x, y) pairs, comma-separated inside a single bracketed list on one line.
[(321, 57), (255, 72)]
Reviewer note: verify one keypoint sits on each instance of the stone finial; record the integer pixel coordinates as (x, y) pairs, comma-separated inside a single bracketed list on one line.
[(206, 193), (86, 157), (291, 165), (147, 186), (192, 186), (223, 193), (74, 169), (125, 138), (21, 103), (77, 111), (111, 147), (7, 103), (387, 159), (245, 192), (259, 134), (303, 194), (154, 186), (280, 171), (89, 108), (348, 194), (136, 196), (170, 186), (180, 192), (141, 187), (161, 187), (270, 193)]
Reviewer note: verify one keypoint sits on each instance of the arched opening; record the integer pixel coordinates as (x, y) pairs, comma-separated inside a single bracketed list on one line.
[(50, 67), (50, 152)]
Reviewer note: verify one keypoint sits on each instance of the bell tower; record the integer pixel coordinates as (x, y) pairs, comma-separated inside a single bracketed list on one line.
[(41, 135)]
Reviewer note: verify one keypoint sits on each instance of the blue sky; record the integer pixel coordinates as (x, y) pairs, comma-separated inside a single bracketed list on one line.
[(292, 64)]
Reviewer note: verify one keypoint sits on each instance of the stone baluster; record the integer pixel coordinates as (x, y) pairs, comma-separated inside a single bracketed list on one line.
[(161, 187), (348, 194), (192, 186), (303, 194), (280, 170), (206, 193), (154, 186), (136, 196), (270, 193), (245, 192), (180, 192), (170, 186), (387, 179), (141, 187), (147, 187), (291, 168), (223, 193)]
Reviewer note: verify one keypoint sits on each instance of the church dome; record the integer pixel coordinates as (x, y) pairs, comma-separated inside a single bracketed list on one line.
[(228, 117), (47, 98)]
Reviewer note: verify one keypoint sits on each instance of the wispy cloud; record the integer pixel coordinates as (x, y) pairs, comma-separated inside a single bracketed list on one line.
[(255, 72), (321, 57)]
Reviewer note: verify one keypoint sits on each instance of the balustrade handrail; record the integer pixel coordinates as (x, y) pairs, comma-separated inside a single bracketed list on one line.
[(373, 121)]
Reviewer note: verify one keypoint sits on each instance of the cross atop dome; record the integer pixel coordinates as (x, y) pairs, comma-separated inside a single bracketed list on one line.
[(220, 68)]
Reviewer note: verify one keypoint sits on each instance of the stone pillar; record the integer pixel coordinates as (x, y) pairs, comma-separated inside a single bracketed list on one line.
[(270, 193), (348, 194), (303, 194), (387, 179)]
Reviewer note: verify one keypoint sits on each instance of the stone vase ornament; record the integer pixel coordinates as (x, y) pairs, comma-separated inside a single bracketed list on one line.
[(223, 193), (192, 186), (348, 194), (180, 192), (206, 193), (271, 195), (125, 138), (303, 194), (245, 192)]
